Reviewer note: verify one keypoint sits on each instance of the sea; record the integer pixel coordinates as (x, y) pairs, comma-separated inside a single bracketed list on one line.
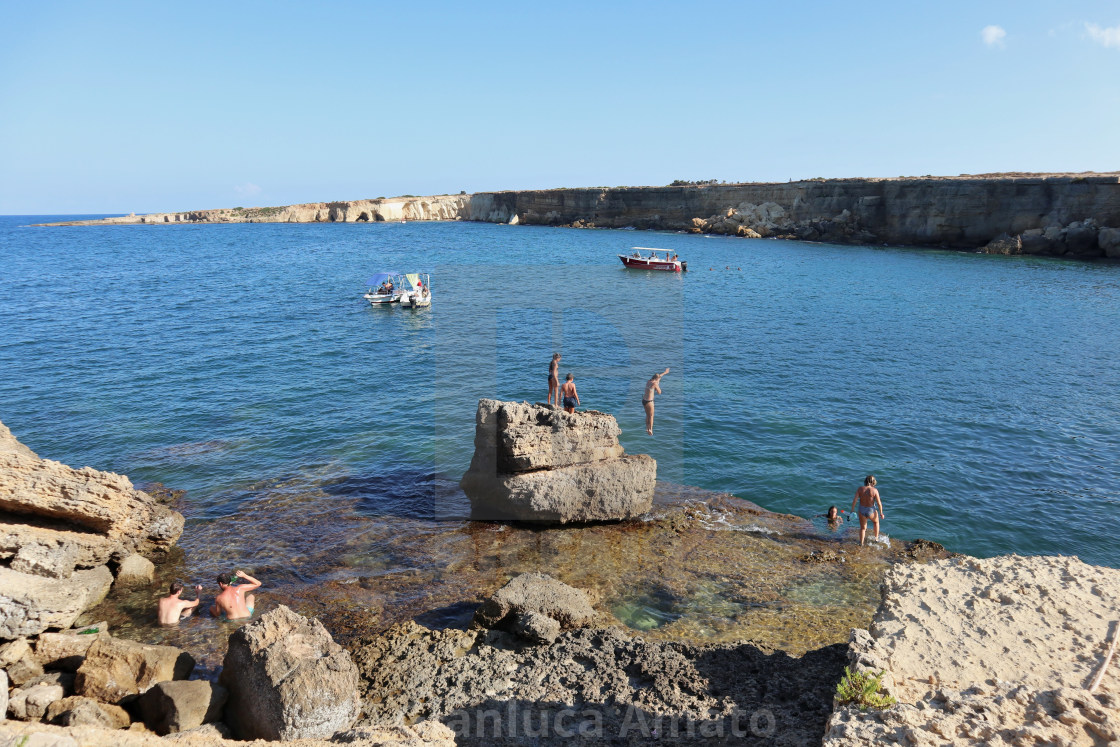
[(239, 363)]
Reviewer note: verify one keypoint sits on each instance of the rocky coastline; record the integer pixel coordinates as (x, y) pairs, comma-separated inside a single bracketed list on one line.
[(999, 651), (1070, 215)]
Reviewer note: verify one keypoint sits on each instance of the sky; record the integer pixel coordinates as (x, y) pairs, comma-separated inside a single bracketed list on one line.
[(146, 107)]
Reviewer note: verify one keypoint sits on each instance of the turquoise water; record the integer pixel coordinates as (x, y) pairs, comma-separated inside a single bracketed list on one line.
[(229, 359)]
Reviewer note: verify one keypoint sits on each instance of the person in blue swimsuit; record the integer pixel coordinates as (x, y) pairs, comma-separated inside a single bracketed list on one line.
[(571, 396), (868, 497), (234, 601)]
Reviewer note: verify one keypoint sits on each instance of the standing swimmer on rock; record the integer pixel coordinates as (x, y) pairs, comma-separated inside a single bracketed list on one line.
[(868, 496), (554, 379), (571, 397), (653, 387)]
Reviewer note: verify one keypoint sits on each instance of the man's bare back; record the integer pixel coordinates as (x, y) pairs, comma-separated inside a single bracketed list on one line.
[(233, 601), (172, 609)]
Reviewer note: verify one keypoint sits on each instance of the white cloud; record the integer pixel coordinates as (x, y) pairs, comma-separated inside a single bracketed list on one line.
[(1106, 37), (993, 36), (248, 189)]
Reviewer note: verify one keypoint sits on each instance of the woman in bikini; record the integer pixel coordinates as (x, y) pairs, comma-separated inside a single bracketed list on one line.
[(653, 387), (868, 497), (554, 379)]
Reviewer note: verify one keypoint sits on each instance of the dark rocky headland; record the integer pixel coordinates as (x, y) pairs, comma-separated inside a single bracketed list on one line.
[(1076, 215)]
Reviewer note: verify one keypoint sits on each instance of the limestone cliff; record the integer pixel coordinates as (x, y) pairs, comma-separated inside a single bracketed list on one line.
[(1047, 214)]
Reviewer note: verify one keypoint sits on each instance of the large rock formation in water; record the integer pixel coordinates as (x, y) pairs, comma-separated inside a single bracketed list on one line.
[(1050, 214), (59, 527), (537, 463)]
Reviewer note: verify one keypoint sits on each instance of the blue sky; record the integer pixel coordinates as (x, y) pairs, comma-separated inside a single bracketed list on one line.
[(121, 107)]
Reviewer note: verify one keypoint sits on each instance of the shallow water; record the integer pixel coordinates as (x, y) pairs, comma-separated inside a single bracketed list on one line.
[(316, 437)]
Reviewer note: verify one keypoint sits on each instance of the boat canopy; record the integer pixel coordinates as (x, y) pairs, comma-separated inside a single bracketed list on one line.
[(381, 277), (666, 252)]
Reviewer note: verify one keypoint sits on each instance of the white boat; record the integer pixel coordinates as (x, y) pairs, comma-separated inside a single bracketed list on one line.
[(653, 259), (384, 288), (416, 292)]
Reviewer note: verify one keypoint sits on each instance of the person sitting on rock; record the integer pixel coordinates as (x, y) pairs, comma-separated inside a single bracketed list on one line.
[(232, 602), (172, 609)]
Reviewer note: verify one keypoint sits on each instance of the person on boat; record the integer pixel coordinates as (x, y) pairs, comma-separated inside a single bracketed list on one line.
[(233, 602), (653, 387), (382, 289), (868, 497), (172, 609), (389, 285), (554, 379), (571, 396)]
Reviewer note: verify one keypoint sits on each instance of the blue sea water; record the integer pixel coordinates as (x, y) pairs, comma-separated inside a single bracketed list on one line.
[(984, 392)]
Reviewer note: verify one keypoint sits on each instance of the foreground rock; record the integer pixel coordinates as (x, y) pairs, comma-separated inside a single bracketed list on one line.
[(287, 679), (998, 651), (116, 670), (595, 686), (32, 604), (171, 707), (59, 527), (535, 463), (45, 735)]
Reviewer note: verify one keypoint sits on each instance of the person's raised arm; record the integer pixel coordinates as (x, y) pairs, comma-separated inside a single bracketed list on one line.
[(666, 371), (197, 599), (252, 582)]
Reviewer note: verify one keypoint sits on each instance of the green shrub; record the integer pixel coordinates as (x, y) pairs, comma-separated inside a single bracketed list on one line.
[(863, 689)]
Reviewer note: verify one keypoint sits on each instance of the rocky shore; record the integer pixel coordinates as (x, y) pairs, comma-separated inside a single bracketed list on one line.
[(997, 651), (1075, 215)]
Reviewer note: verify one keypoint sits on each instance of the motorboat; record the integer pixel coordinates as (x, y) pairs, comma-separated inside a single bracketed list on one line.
[(644, 258), (416, 292), (384, 288)]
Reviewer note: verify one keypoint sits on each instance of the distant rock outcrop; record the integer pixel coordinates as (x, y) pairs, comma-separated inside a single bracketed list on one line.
[(536, 463), (1053, 214), (59, 527)]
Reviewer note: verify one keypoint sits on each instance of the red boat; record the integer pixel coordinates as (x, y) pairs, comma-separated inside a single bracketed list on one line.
[(643, 258)]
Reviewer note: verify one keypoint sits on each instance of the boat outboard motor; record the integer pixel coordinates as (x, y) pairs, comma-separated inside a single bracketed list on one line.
[(684, 266)]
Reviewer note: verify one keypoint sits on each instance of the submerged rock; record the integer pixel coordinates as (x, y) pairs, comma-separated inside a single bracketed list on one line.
[(288, 679), (540, 464)]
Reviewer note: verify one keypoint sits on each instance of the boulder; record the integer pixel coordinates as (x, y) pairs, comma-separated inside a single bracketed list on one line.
[(1034, 241), (538, 463), (172, 707), (135, 570), (1081, 238), (1004, 244), (81, 711), (30, 604), (1108, 239), (23, 671), (85, 549), (89, 499), (516, 606), (116, 670), (13, 651), (50, 560), (64, 651), (287, 679), (31, 703)]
